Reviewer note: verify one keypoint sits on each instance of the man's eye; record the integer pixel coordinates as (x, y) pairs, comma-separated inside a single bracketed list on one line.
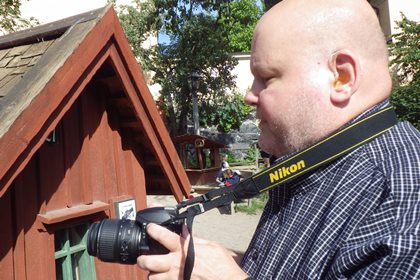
[(268, 80)]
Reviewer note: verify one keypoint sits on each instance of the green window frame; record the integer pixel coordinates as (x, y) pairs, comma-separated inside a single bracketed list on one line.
[(72, 261)]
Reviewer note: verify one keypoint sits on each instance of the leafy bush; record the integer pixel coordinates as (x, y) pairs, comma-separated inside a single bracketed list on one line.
[(251, 154), (229, 111), (231, 156), (405, 57)]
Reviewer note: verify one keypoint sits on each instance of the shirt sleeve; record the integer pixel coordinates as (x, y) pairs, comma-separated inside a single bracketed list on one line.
[(388, 253), (387, 244)]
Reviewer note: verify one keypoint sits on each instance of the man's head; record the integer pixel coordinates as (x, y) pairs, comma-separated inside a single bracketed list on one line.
[(317, 64)]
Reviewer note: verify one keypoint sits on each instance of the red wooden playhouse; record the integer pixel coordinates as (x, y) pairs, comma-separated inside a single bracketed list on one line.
[(80, 137)]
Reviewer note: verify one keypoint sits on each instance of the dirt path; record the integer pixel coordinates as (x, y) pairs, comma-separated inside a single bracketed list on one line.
[(233, 231)]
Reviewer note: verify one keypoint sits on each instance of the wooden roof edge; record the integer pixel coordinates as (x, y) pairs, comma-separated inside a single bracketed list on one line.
[(159, 128), (46, 31), (33, 82)]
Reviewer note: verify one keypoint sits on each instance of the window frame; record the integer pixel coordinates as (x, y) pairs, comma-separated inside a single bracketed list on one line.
[(65, 255)]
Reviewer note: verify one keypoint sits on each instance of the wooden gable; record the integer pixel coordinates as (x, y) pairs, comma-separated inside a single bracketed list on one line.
[(44, 70)]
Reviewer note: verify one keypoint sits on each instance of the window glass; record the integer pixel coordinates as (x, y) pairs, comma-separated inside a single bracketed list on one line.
[(72, 262)]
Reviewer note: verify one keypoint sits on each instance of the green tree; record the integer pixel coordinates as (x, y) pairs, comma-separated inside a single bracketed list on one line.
[(139, 25), (228, 113), (198, 39), (240, 24), (405, 57), (11, 19), (197, 42)]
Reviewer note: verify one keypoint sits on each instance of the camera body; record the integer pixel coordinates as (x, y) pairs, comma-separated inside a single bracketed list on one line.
[(122, 240)]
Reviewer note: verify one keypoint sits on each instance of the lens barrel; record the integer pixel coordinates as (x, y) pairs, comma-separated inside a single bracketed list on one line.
[(114, 240), (122, 241)]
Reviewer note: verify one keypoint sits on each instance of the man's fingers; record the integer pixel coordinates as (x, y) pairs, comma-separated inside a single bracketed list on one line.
[(167, 238), (155, 263)]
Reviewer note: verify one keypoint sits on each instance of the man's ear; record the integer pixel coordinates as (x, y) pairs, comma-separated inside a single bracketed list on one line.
[(345, 67)]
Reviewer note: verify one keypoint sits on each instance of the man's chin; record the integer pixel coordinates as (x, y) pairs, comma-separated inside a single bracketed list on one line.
[(273, 147), (267, 145)]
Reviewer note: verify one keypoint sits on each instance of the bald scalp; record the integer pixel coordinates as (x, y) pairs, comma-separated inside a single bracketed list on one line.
[(333, 51), (331, 25)]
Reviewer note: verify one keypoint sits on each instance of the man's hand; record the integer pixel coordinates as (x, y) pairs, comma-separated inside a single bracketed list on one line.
[(212, 261)]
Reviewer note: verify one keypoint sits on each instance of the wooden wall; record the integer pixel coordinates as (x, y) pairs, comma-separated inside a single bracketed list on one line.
[(90, 162)]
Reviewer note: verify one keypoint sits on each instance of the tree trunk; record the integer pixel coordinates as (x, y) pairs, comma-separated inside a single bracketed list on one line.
[(183, 122)]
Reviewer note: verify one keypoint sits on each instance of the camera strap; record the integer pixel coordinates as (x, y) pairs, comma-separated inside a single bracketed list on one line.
[(338, 144)]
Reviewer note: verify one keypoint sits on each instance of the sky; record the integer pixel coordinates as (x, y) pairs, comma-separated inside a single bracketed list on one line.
[(51, 10)]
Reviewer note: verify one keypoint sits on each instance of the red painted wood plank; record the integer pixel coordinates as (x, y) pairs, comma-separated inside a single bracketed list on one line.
[(118, 155), (53, 186), (94, 126), (26, 206), (136, 182), (109, 166), (139, 182), (74, 170), (39, 246), (127, 154), (6, 237), (87, 123), (39, 254)]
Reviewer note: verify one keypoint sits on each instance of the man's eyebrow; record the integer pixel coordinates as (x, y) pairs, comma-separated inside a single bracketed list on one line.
[(256, 66), (261, 70)]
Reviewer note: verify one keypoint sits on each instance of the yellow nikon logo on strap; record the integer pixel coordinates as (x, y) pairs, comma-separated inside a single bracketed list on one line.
[(284, 172)]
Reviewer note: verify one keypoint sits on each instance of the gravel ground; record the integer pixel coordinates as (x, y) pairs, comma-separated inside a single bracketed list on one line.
[(233, 231)]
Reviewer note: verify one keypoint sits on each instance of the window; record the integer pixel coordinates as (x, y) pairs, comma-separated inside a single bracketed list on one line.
[(72, 261)]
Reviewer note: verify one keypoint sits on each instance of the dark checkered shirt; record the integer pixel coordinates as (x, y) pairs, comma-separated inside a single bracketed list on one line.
[(356, 218)]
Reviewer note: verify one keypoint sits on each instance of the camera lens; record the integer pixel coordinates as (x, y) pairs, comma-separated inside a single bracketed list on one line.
[(114, 240), (122, 241)]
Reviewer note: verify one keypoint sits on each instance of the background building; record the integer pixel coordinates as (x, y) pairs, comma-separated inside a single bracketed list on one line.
[(390, 11)]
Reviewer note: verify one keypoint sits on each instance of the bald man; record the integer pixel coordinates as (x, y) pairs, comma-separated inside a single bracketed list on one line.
[(320, 66)]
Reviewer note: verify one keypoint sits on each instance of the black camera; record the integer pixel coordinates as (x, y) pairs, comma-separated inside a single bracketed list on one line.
[(122, 241)]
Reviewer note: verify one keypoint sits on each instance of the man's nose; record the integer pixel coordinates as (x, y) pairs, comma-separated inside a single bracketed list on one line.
[(251, 97)]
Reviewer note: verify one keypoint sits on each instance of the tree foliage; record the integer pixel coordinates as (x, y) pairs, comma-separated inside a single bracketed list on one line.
[(139, 24), (405, 57), (228, 113), (243, 16), (11, 19), (198, 40)]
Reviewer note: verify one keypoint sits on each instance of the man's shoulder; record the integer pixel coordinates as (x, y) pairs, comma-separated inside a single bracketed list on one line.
[(399, 147), (395, 156), (391, 161), (405, 132)]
